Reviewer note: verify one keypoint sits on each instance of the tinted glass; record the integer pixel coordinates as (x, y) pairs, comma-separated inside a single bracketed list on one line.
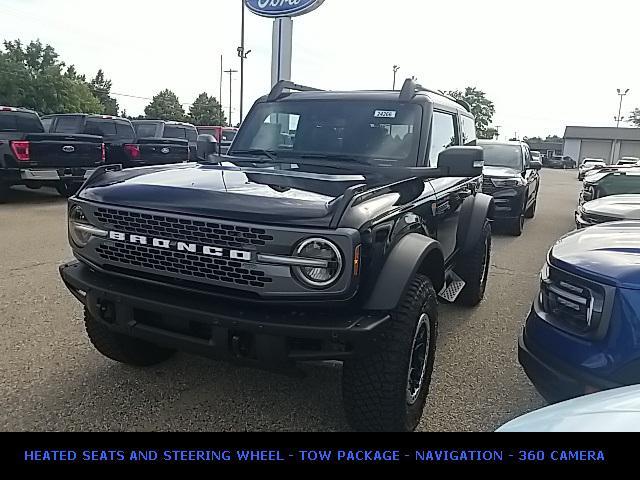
[(509, 156), (228, 135), (443, 135), (192, 134), (468, 131), (618, 185), (145, 130), (46, 123), (174, 132), (378, 132), (100, 127), (68, 124), (124, 130), (20, 122)]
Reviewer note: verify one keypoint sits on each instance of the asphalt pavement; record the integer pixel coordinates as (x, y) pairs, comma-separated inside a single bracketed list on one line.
[(52, 379)]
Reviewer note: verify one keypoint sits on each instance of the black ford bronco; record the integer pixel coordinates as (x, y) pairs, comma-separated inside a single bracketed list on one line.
[(325, 234)]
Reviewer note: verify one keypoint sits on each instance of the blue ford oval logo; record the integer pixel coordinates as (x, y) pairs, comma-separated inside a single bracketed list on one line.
[(282, 8)]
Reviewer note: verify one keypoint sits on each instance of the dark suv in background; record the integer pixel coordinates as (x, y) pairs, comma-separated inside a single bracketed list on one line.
[(511, 177)]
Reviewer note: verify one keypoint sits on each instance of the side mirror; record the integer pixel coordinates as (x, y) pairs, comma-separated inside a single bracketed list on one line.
[(462, 161), (535, 164), (207, 145)]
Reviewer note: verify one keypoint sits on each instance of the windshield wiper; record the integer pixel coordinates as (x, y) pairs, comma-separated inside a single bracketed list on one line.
[(333, 156), (265, 153)]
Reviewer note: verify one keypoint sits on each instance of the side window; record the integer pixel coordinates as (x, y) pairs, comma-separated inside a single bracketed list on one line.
[(469, 136), (46, 123), (443, 135), (527, 157), (192, 134)]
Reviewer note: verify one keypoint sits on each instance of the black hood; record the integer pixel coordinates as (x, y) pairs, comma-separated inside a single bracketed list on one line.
[(226, 192)]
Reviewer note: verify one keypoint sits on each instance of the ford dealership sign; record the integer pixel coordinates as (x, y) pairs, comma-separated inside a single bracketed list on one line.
[(282, 8)]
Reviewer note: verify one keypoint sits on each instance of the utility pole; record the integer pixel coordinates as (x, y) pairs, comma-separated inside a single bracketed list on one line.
[(230, 72), (395, 70), (220, 97), (243, 55), (619, 118)]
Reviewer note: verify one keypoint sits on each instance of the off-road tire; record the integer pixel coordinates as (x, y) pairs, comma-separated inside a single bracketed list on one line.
[(531, 211), (121, 348), (374, 385), (473, 268), (67, 190)]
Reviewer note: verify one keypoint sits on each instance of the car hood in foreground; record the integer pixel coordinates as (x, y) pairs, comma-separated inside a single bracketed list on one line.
[(624, 207), (611, 411), (227, 191), (608, 253)]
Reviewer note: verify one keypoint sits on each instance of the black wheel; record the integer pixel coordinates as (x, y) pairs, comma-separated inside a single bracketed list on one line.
[(386, 389), (515, 226), (121, 348), (473, 268), (531, 211), (67, 190)]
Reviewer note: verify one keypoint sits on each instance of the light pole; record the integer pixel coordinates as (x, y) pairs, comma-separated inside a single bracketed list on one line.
[(220, 97), (230, 72), (620, 117), (395, 70), (243, 55)]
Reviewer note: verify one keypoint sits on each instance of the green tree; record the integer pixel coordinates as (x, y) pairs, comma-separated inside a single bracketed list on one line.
[(634, 117), (165, 106), (489, 134), (482, 108), (206, 110), (32, 76), (101, 89)]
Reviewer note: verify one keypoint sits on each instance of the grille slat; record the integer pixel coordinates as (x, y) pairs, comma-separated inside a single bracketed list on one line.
[(183, 229), (195, 266)]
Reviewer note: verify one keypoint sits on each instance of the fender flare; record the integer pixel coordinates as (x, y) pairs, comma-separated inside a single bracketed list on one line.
[(402, 264), (475, 210)]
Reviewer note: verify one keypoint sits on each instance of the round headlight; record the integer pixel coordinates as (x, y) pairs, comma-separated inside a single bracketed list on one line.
[(77, 227), (330, 259)]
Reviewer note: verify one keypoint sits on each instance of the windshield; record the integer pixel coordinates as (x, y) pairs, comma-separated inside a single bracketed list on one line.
[(376, 132), (509, 156)]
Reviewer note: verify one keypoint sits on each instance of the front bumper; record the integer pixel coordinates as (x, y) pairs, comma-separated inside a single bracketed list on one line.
[(204, 325), (554, 379), (508, 202), (56, 174)]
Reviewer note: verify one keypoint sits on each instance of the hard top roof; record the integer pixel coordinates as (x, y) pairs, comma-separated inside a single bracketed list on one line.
[(411, 91)]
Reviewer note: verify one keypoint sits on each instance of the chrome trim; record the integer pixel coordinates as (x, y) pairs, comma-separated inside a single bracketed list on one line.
[(96, 232), (567, 295), (301, 276), (292, 261), (35, 174)]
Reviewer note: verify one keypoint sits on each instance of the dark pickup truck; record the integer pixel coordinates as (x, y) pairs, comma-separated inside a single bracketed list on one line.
[(165, 129), (31, 157), (122, 144)]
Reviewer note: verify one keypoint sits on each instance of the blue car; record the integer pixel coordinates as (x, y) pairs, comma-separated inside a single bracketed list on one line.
[(583, 332)]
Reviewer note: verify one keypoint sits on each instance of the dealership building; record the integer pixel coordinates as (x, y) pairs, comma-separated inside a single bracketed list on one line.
[(608, 143)]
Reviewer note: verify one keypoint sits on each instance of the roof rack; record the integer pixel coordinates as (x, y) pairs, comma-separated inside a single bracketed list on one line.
[(279, 88), (410, 88)]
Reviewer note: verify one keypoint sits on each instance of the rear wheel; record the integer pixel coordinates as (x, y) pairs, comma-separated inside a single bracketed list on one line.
[(121, 348), (473, 268), (67, 190), (386, 389)]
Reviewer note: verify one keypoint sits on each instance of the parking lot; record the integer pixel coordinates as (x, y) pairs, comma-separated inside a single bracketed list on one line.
[(52, 379)]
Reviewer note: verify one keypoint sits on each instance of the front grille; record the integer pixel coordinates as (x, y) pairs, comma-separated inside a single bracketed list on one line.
[(576, 303), (193, 265), (488, 187), (182, 229)]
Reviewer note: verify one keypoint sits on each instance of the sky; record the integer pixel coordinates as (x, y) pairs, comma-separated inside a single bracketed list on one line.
[(545, 64)]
